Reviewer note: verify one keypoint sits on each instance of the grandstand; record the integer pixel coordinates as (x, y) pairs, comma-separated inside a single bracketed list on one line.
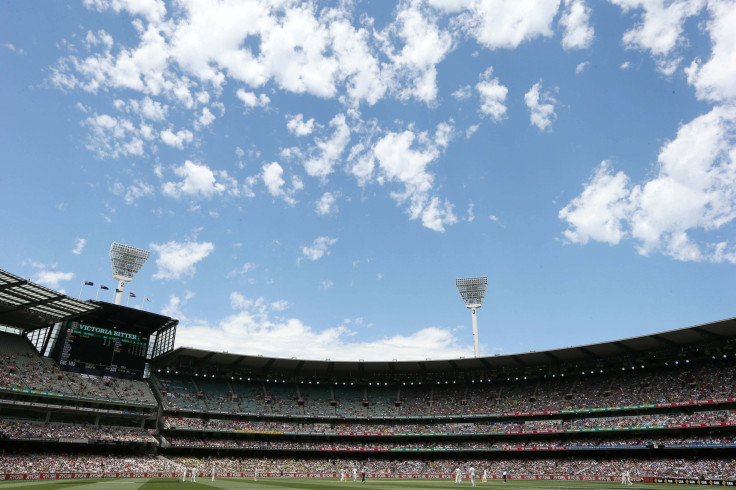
[(658, 406)]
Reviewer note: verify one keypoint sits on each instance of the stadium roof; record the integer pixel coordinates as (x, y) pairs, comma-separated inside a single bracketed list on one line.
[(28, 306), (124, 318), (632, 350)]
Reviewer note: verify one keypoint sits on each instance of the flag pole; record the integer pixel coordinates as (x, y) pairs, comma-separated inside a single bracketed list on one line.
[(80, 291)]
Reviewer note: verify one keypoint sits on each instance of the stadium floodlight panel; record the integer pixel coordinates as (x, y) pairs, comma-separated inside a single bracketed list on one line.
[(126, 261), (472, 290)]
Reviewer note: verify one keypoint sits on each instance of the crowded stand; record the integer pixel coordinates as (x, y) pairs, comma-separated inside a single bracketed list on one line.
[(675, 384), (674, 467), (28, 371), (675, 418), (54, 462), (660, 421), (20, 429), (456, 445), (67, 462)]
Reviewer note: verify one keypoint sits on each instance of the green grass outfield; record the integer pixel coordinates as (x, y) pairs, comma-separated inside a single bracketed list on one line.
[(308, 484)]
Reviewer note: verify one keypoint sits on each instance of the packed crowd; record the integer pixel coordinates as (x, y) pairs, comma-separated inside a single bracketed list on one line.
[(679, 383), (669, 419), (356, 444), (677, 467), (48, 462), (27, 370), (15, 429)]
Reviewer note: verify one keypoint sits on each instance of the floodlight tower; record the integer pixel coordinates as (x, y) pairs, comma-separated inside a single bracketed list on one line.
[(473, 290), (126, 262)]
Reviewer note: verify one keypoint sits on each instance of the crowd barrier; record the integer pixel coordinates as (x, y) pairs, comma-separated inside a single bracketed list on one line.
[(691, 481), (421, 476)]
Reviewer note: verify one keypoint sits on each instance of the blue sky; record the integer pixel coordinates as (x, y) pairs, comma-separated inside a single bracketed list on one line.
[(310, 178)]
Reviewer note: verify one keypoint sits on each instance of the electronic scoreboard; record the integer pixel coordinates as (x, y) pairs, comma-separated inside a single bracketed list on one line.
[(93, 349)]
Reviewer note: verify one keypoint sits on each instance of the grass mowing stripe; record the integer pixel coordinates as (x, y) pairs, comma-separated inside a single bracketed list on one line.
[(48, 484)]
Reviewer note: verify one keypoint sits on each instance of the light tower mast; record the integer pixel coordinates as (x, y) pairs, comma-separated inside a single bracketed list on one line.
[(473, 290), (126, 262)]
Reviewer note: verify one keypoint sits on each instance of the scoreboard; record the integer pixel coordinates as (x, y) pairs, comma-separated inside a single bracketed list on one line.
[(92, 349)]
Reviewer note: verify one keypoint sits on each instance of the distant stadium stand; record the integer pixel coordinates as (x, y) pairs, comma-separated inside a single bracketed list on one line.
[(660, 405)]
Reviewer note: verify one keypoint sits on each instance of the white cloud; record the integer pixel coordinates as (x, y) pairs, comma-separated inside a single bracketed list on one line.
[(247, 267), (660, 28), (252, 329), (206, 118), (356, 63), (471, 130), (272, 175), (598, 212), (326, 204), (625, 65), (52, 279), (464, 92), (399, 162), (172, 309), (146, 108), (503, 24), (153, 10), (178, 139), (541, 107), (326, 284), (14, 49), (79, 244), (328, 151), (576, 21), (437, 214), (111, 137), (177, 260), (181, 62), (49, 276), (444, 134), (581, 67), (319, 248), (694, 190), (470, 215), (252, 100), (199, 181), (425, 45), (132, 192), (298, 126), (279, 305), (492, 95), (293, 48), (714, 79)]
